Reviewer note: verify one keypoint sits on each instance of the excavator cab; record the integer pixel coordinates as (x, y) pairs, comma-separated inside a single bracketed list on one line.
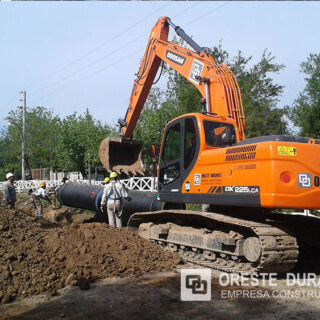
[(183, 138)]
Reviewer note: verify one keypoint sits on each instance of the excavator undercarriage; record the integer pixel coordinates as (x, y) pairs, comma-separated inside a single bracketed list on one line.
[(226, 243)]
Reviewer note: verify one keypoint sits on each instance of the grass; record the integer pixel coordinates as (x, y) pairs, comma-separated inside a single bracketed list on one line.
[(22, 197), (194, 206)]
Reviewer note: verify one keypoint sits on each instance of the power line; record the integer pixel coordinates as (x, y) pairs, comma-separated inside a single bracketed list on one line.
[(207, 13), (184, 10), (37, 92), (102, 45), (95, 72)]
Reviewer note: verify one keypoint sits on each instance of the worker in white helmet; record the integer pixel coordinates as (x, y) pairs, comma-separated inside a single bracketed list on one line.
[(112, 198), (36, 197), (9, 191)]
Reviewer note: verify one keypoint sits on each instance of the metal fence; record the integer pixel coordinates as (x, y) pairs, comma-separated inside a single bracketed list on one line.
[(142, 183), (135, 183)]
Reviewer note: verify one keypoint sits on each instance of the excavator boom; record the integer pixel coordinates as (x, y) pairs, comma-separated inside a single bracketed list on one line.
[(216, 83)]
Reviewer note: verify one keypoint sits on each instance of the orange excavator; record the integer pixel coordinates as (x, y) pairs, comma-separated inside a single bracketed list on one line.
[(205, 159)]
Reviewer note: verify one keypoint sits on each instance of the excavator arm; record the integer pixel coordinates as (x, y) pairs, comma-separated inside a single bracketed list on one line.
[(216, 83)]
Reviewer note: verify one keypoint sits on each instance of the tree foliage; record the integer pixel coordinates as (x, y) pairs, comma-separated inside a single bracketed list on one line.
[(260, 94), (305, 112), (61, 144), (79, 142), (42, 137)]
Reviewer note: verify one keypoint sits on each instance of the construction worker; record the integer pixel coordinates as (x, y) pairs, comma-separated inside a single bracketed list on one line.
[(64, 179), (112, 198), (36, 197), (9, 191)]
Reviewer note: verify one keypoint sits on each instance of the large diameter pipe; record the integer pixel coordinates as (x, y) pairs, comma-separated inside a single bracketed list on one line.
[(142, 201), (88, 197), (80, 196)]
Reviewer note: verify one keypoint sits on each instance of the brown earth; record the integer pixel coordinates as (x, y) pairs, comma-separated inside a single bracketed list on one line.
[(37, 258), (44, 256), (157, 296)]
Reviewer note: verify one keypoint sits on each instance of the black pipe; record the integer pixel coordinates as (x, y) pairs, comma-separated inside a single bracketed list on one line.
[(88, 197), (142, 201)]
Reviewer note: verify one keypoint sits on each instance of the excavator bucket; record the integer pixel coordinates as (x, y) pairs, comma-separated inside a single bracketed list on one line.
[(121, 155)]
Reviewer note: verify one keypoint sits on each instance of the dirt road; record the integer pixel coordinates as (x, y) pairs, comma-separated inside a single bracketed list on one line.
[(156, 296)]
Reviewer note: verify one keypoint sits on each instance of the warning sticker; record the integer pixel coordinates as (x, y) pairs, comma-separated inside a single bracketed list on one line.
[(287, 151)]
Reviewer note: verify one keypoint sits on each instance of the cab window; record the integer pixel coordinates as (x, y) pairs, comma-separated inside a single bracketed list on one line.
[(189, 142), (171, 149), (219, 134), (170, 173)]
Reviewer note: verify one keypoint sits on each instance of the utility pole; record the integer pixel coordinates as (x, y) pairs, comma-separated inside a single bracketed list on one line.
[(23, 153), (88, 143)]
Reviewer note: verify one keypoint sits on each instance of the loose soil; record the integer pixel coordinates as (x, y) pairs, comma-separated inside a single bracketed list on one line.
[(47, 266), (45, 255)]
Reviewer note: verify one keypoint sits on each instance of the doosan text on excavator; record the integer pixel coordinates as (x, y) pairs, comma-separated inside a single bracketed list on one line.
[(205, 158)]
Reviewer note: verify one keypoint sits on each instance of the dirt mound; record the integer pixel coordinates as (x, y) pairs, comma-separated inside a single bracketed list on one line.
[(49, 212), (42, 256)]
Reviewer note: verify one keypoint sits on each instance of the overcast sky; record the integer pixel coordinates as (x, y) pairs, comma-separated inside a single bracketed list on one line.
[(73, 55)]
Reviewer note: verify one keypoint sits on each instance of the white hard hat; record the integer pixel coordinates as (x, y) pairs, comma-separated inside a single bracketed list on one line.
[(9, 175)]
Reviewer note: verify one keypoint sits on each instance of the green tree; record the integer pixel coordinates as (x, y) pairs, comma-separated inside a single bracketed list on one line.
[(260, 94), (64, 145), (305, 112), (79, 142), (42, 134), (8, 159)]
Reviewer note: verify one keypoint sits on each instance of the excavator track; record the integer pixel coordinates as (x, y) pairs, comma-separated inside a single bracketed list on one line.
[(227, 244)]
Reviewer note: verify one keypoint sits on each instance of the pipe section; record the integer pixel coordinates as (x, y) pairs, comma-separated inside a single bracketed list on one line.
[(88, 197)]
